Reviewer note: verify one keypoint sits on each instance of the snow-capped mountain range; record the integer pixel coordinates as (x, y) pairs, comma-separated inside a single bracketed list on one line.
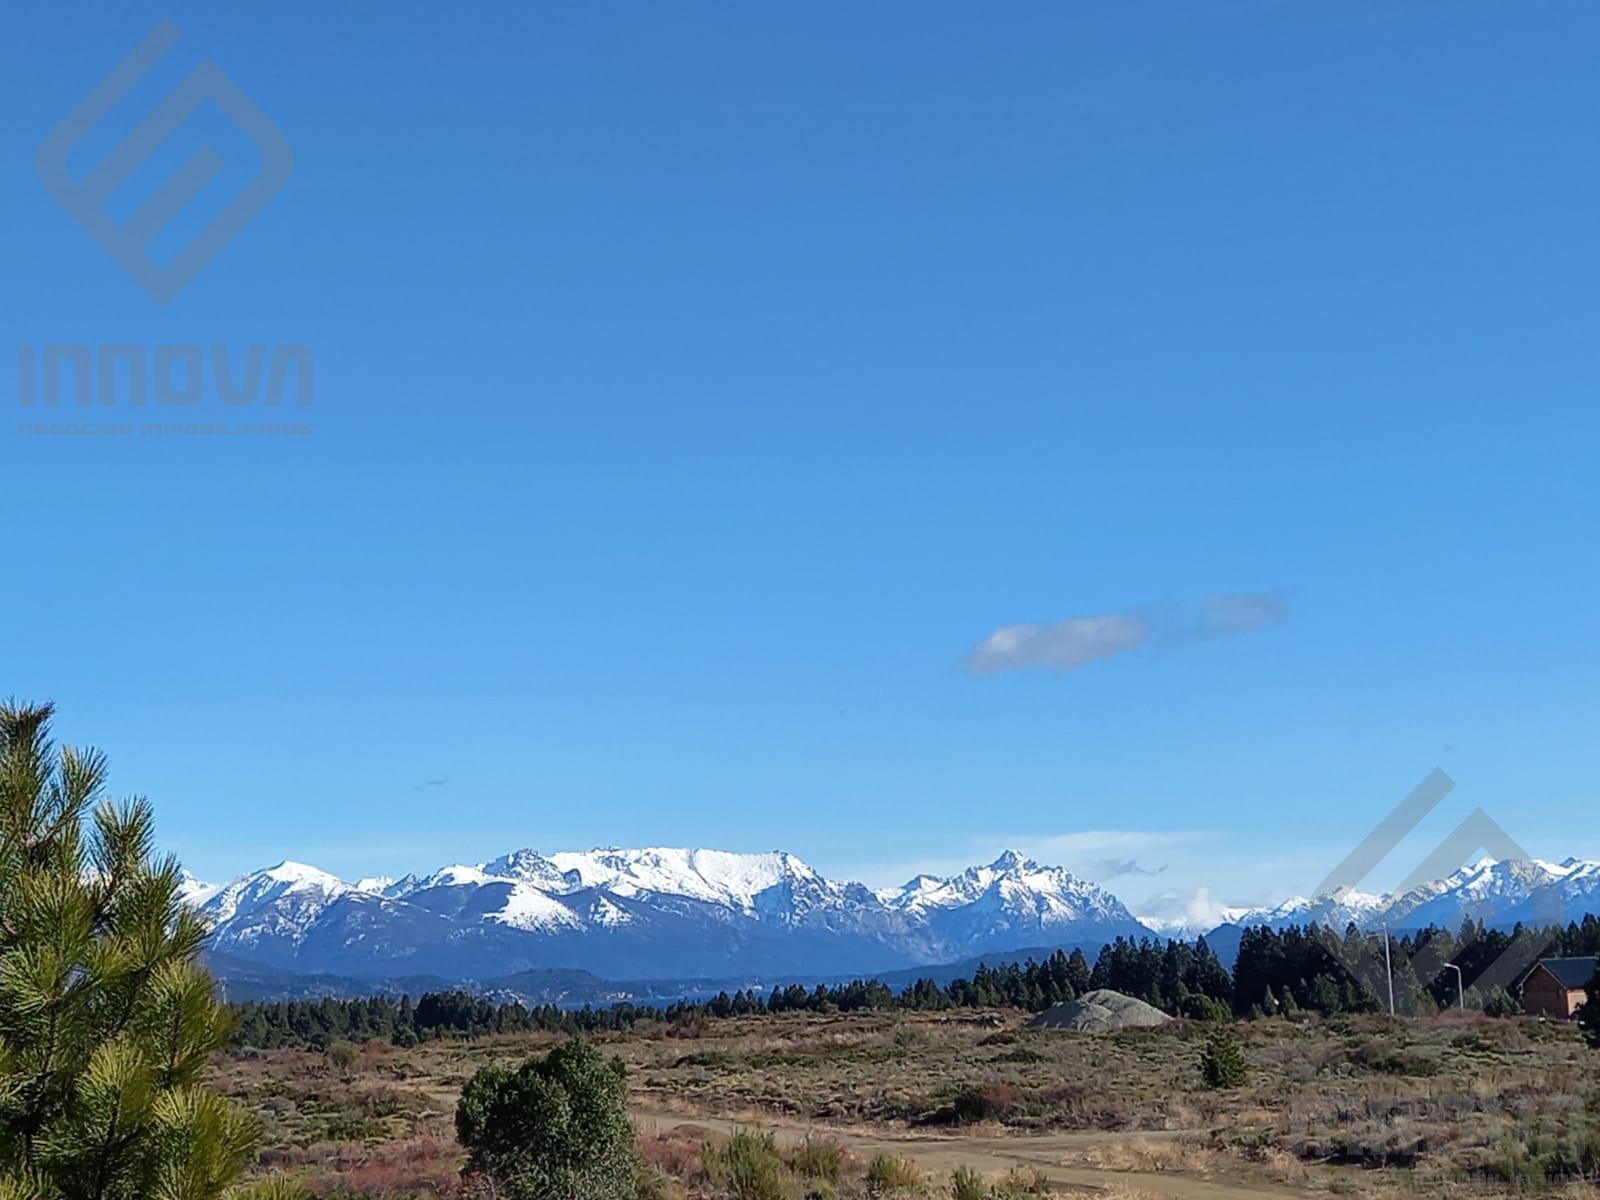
[(664, 913), (651, 913), (1497, 893)]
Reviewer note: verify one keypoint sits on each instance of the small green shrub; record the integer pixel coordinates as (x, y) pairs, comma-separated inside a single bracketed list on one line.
[(650, 1183), (967, 1184), (344, 1055), (1501, 1003), (1222, 1062), (818, 1160), (751, 1168), (889, 1174)]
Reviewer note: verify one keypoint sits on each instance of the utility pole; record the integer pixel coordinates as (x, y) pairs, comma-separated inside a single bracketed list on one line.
[(1461, 986), (1388, 966)]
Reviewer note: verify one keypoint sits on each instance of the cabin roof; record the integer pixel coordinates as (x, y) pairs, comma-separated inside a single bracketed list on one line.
[(1570, 972)]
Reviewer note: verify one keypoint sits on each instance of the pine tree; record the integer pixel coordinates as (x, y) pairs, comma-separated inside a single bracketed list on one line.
[(1222, 1062), (106, 1019), (1589, 1012)]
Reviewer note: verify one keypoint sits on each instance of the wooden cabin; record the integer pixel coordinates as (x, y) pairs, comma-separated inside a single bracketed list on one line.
[(1555, 988)]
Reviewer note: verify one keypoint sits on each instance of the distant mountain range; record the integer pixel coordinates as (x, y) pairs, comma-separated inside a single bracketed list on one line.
[(1500, 894), (652, 913), (558, 927)]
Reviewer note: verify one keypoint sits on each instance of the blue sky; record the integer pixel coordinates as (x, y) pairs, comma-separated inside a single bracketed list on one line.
[(698, 388)]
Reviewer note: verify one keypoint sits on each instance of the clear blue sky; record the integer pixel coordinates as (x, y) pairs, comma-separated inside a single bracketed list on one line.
[(698, 386)]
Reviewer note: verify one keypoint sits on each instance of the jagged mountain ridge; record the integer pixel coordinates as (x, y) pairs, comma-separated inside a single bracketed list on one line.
[(1499, 893), (675, 913), (658, 911)]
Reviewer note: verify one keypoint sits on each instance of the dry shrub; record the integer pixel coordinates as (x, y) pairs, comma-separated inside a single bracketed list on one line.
[(818, 1160), (673, 1156), (993, 1102), (1150, 1156), (1023, 1181), (889, 1174), (405, 1170)]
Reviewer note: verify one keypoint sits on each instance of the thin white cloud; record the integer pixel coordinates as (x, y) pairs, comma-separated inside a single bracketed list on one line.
[(1078, 641), (1064, 646), (1226, 614)]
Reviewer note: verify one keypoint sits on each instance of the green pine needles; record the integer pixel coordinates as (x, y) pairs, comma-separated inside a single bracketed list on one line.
[(1222, 1062), (107, 1021)]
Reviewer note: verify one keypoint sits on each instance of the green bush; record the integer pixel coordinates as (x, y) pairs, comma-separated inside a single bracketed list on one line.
[(1222, 1062), (818, 1160), (1501, 1003), (650, 1183), (556, 1128), (753, 1169), (967, 1184), (889, 1174)]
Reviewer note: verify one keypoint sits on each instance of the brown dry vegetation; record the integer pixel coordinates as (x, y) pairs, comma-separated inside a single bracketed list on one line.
[(1359, 1106)]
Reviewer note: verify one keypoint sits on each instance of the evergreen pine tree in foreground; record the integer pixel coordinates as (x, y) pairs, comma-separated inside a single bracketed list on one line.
[(106, 1018)]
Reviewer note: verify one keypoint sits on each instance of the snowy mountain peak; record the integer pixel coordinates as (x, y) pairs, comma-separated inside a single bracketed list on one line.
[(718, 876), (195, 892), (300, 875), (1011, 861), (455, 875), (1015, 887), (529, 866)]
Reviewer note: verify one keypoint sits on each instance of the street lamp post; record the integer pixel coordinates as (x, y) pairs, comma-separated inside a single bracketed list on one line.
[(1388, 966), (1461, 986)]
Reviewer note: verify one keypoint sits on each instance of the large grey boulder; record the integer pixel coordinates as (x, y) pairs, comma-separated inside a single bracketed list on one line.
[(1098, 1012)]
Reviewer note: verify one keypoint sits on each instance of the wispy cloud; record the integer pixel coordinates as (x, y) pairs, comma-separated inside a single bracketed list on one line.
[(1115, 868), (1247, 613), (1064, 646), (1077, 641)]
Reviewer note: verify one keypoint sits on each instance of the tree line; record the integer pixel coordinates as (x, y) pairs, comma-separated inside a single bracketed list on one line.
[(1277, 972)]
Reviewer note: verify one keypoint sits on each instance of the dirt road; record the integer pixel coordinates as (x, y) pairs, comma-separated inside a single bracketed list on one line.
[(939, 1154)]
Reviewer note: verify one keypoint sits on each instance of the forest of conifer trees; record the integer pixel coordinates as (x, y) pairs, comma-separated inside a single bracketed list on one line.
[(1277, 972)]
